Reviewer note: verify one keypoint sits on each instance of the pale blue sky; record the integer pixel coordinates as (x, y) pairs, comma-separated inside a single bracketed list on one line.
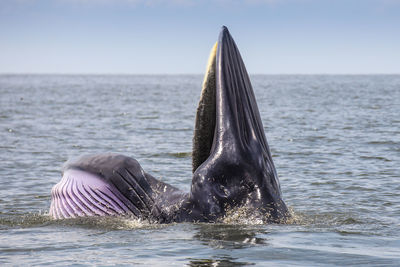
[(161, 36)]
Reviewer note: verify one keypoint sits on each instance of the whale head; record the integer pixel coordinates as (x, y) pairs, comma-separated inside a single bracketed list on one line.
[(232, 162)]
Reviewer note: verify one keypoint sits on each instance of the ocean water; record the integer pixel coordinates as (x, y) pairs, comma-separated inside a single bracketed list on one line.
[(335, 141)]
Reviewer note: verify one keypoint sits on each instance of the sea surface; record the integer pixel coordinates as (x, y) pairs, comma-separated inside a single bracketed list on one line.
[(335, 142)]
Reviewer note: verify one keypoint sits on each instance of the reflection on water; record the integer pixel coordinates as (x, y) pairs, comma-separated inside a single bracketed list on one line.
[(230, 236), (227, 237), (221, 262)]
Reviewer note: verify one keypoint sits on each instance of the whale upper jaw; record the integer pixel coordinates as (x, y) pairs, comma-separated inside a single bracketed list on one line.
[(235, 167)]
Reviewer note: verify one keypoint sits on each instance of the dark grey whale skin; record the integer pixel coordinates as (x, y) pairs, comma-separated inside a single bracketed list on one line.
[(238, 172)]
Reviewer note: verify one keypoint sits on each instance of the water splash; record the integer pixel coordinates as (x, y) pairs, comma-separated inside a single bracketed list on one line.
[(41, 219), (247, 215)]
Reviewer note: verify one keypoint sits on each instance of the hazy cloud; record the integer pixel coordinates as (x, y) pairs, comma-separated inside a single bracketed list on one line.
[(149, 3), (132, 2)]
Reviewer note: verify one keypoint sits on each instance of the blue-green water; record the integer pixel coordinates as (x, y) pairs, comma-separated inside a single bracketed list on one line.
[(335, 142)]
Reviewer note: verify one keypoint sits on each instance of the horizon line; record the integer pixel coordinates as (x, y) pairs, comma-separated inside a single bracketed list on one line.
[(177, 74)]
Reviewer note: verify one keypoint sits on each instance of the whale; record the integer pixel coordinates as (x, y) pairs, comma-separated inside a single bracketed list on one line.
[(231, 162)]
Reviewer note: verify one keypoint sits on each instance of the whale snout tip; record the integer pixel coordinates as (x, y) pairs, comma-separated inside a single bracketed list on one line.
[(224, 29)]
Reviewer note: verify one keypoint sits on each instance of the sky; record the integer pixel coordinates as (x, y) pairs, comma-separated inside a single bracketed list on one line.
[(175, 36)]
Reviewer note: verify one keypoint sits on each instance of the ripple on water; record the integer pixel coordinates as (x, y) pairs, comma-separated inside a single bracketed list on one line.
[(334, 139)]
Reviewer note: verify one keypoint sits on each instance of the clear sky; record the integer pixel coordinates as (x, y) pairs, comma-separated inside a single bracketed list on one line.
[(175, 36)]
